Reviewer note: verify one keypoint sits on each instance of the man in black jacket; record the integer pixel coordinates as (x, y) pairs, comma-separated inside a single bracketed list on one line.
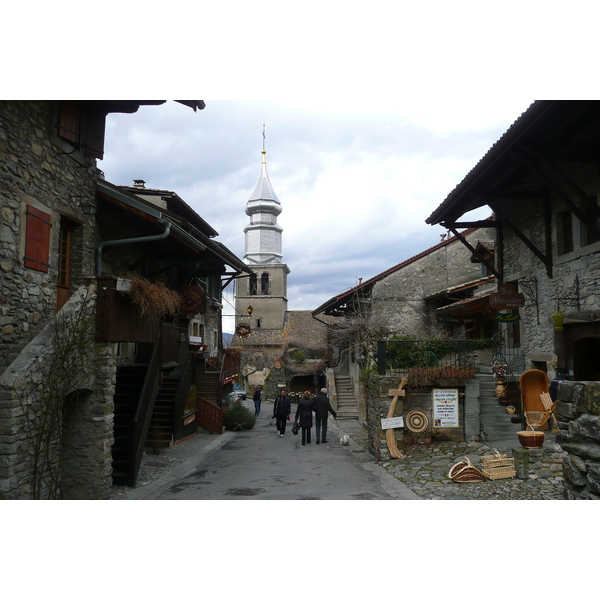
[(281, 411), (322, 408)]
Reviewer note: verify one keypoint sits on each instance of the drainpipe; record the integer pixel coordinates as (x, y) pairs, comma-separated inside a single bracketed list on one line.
[(148, 238)]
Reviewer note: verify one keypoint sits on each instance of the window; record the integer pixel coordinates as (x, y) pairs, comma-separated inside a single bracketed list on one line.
[(265, 284), (253, 284), (590, 228), (564, 226), (37, 239), (83, 125), (258, 323)]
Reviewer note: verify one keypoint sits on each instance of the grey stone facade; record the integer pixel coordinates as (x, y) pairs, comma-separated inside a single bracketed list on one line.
[(81, 453), (37, 169), (399, 297), (578, 411)]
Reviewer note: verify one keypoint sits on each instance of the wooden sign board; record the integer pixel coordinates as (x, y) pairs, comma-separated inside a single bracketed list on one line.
[(396, 392), (392, 423), (507, 296)]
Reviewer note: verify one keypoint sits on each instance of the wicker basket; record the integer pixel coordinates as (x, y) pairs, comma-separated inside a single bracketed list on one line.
[(497, 466), (465, 472), (536, 418), (531, 439)]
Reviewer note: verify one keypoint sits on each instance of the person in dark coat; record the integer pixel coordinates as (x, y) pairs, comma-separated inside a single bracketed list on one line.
[(258, 397), (322, 408), (282, 409), (306, 407)]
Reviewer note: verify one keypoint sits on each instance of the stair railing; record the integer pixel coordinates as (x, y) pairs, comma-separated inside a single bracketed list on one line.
[(181, 395), (143, 413), (498, 342)]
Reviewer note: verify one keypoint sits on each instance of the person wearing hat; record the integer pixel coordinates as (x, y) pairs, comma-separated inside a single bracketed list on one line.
[(322, 409)]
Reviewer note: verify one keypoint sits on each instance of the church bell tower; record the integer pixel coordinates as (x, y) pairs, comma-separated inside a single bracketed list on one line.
[(266, 288)]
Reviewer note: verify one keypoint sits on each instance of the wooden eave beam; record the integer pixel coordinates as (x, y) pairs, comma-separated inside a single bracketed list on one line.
[(545, 258), (552, 181), (473, 251)]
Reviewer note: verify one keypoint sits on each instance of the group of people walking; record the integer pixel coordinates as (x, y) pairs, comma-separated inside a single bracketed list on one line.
[(320, 405)]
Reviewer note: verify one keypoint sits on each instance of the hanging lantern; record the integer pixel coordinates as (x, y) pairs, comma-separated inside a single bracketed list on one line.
[(558, 318)]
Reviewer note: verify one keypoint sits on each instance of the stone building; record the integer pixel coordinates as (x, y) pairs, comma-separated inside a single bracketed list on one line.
[(279, 348), (541, 180), (440, 293), (83, 369)]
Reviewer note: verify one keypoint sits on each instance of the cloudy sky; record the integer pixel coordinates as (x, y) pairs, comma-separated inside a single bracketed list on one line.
[(355, 183)]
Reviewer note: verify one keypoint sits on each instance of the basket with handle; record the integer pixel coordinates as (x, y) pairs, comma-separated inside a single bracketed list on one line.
[(498, 466), (465, 472), (531, 439)]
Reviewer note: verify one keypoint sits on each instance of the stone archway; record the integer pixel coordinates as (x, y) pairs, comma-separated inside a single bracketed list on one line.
[(586, 366), (85, 465)]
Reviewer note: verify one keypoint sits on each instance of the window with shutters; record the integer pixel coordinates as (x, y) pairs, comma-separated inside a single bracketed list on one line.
[(83, 125), (37, 239)]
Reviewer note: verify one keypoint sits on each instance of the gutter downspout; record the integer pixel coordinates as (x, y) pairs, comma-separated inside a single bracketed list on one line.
[(148, 238)]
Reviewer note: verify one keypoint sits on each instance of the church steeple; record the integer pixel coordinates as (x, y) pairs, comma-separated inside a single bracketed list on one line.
[(263, 234)]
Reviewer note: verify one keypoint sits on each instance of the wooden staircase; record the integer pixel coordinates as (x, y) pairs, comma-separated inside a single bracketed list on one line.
[(210, 412), (207, 388), (161, 432), (346, 402), (130, 379)]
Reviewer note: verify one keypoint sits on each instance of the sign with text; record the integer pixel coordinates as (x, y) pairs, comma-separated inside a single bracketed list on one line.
[(445, 407), (507, 296), (392, 423)]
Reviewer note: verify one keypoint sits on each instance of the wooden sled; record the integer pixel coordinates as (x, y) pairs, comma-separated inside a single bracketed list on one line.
[(533, 383)]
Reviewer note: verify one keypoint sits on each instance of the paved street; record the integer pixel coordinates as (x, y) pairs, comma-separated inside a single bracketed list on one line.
[(260, 465)]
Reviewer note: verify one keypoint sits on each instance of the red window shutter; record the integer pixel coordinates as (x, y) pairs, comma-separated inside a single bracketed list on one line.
[(37, 240), (68, 120)]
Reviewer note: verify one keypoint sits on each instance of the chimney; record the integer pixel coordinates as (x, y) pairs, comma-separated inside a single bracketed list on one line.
[(139, 183)]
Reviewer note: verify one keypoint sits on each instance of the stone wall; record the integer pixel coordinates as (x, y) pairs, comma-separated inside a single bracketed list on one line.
[(83, 443), (400, 297), (578, 411), (34, 170), (543, 292)]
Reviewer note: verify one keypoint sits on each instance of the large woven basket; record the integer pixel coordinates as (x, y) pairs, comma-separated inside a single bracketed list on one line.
[(465, 472), (497, 466), (531, 438)]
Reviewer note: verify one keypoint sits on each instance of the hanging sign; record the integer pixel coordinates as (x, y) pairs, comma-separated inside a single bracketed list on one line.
[(243, 330), (512, 317), (193, 299), (507, 296), (445, 407)]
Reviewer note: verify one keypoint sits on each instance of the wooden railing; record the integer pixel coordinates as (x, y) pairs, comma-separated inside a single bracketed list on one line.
[(181, 396), (210, 416), (143, 413), (118, 319), (231, 364)]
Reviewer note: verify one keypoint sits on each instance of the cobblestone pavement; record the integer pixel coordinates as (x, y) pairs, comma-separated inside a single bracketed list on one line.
[(424, 469)]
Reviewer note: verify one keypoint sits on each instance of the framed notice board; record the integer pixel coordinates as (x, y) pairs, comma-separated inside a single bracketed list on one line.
[(445, 407)]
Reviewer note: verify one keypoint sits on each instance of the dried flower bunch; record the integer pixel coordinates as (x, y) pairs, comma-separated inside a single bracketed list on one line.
[(154, 300), (499, 368), (427, 376)]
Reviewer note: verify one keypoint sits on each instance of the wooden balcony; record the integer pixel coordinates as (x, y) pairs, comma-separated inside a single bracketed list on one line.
[(118, 319)]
